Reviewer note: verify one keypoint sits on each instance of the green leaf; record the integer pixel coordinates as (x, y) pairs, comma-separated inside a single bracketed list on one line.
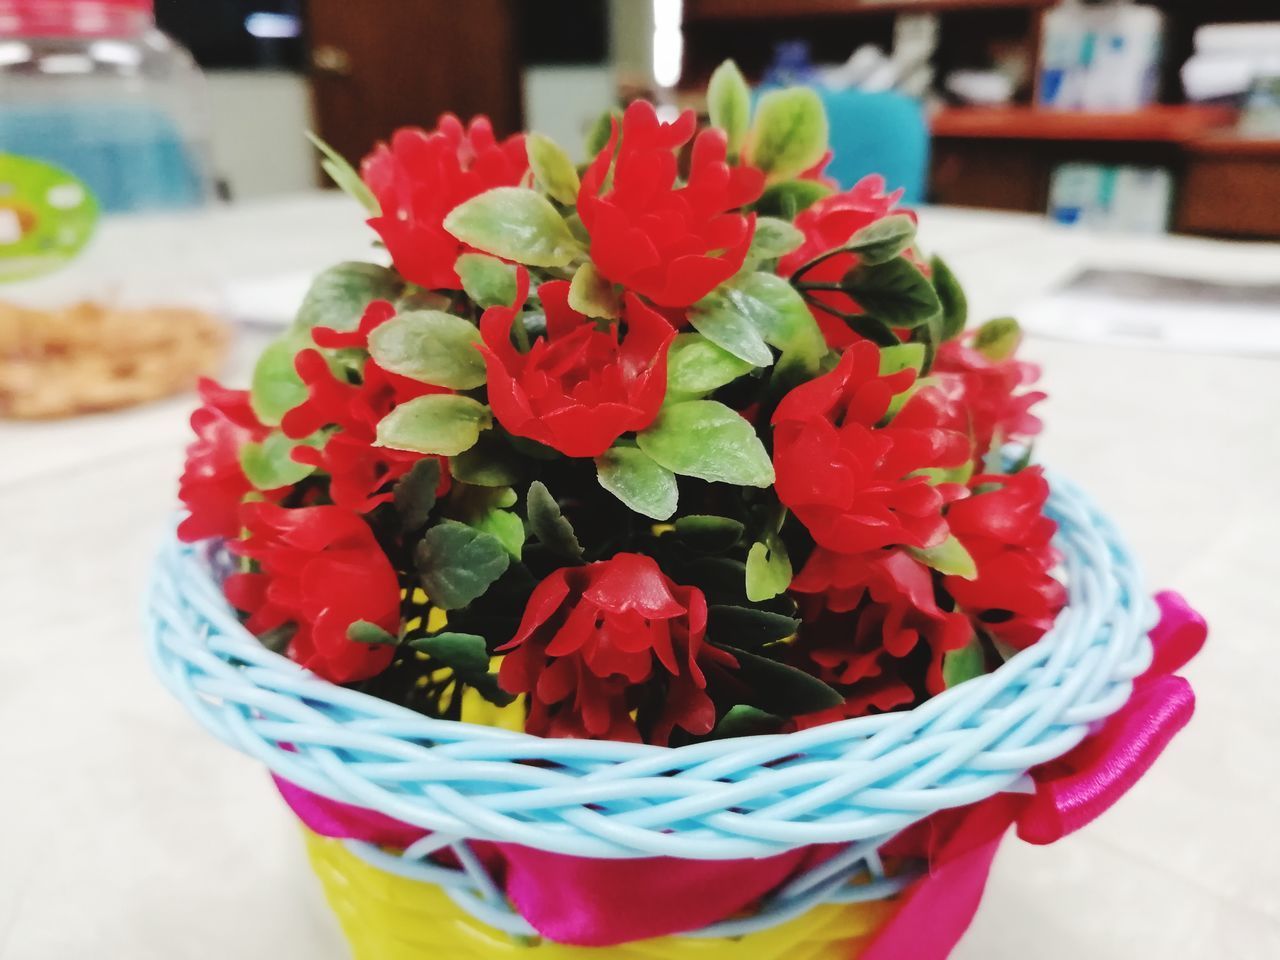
[(747, 628), (696, 367), (269, 465), (896, 293), (789, 134), (506, 527), (515, 223), (549, 525), (707, 440), (640, 483), (362, 631), (441, 423), (774, 238), (339, 296), (276, 387), (724, 322), (745, 316), (949, 558), (416, 298), (902, 356), (746, 721), (552, 168), (345, 176), (881, 241), (430, 347), (955, 305), (708, 534), (781, 689), (998, 339), (791, 197), (457, 563), (964, 664), (465, 654), (490, 463), (729, 103), (601, 130), (592, 295), (487, 280), (415, 493), (768, 569)]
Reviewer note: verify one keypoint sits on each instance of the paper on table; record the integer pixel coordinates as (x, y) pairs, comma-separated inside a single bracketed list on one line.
[(1146, 309), (271, 301)]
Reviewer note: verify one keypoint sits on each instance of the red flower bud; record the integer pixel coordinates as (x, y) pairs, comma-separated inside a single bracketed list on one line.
[(578, 388), (987, 392)]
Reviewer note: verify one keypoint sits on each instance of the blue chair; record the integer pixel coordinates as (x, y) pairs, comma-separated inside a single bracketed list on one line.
[(883, 133)]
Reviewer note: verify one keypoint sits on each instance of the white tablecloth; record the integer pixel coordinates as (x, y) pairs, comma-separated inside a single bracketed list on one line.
[(127, 833)]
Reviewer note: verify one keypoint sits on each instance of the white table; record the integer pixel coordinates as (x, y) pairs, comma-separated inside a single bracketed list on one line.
[(125, 832)]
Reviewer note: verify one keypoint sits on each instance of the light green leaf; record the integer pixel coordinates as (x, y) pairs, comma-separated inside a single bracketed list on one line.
[(998, 339), (789, 134), (778, 311), (768, 569), (276, 387), (903, 356), (594, 296), (487, 280), (339, 296), (416, 298), (729, 103), (791, 197), (964, 664), (505, 526), (635, 479), (457, 563), (774, 238), (707, 440), (598, 136), (553, 169), (431, 347), (442, 424), (415, 492), (955, 305), (269, 465), (727, 324), (896, 293), (949, 558), (345, 176), (466, 654), (549, 525), (696, 367), (517, 224), (362, 631), (886, 238)]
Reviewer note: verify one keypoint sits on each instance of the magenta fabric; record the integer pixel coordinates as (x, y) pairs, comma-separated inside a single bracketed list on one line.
[(606, 902)]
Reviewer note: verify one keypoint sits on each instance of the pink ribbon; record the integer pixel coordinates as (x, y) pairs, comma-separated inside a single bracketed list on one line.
[(607, 902)]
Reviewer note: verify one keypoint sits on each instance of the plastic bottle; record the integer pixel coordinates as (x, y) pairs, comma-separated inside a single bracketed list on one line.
[(93, 87), (1064, 58)]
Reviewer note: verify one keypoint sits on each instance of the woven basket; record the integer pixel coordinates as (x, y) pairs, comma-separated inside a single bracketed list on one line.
[(856, 783)]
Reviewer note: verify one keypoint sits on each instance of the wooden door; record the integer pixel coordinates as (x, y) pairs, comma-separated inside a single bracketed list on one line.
[(381, 64)]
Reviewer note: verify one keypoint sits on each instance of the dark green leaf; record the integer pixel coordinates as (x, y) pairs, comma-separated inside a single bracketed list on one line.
[(883, 240), (789, 134), (745, 721), (431, 347), (721, 579), (707, 440), (362, 631), (439, 423), (708, 534), (729, 103), (768, 569), (896, 293), (517, 224), (549, 525), (457, 563), (487, 280), (640, 483), (338, 296), (955, 306), (464, 653), (791, 197), (781, 689), (748, 628), (552, 168), (601, 130), (415, 493), (964, 664), (490, 463)]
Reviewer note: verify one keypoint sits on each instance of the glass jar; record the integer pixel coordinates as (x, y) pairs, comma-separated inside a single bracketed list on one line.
[(94, 87)]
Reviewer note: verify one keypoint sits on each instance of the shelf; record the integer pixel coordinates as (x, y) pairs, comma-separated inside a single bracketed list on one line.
[(1160, 124), (1230, 145), (703, 10)]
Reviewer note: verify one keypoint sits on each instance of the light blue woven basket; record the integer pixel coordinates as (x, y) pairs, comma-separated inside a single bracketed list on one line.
[(858, 782)]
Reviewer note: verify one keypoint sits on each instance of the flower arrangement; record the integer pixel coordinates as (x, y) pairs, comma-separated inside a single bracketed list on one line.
[(685, 444)]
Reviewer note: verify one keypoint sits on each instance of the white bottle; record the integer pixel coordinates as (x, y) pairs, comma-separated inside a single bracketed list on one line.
[(1124, 74), (1063, 56)]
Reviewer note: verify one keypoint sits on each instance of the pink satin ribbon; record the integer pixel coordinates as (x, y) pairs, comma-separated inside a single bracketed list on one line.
[(606, 902)]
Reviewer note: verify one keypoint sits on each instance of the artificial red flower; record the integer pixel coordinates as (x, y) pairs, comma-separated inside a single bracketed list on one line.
[(359, 472), (852, 480), (213, 485), (321, 569), (867, 617), (671, 244), (1014, 598), (594, 639), (989, 393), (421, 177), (578, 388), (828, 225)]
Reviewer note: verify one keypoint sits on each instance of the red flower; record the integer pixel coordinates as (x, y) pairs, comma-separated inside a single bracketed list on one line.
[(869, 614), (828, 225), (672, 245), (595, 639), (988, 393), (321, 569), (1006, 532), (578, 388), (851, 480), (359, 471), (421, 177), (213, 485)]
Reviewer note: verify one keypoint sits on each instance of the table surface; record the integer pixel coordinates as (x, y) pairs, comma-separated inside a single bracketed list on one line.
[(125, 832)]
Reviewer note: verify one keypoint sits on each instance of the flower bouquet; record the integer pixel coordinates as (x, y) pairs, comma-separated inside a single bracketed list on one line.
[(650, 561)]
